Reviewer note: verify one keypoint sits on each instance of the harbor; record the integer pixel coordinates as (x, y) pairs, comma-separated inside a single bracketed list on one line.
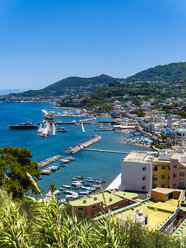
[(104, 166)]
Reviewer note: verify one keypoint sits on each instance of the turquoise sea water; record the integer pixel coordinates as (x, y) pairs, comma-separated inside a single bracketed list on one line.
[(102, 166)]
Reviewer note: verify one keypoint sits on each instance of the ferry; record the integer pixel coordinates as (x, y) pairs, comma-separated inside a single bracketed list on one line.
[(24, 125)]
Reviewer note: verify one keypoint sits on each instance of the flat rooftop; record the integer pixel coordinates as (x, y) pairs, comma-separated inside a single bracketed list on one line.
[(110, 198), (180, 157), (158, 213), (138, 156), (163, 190)]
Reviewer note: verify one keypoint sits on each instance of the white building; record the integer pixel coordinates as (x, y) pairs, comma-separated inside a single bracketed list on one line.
[(136, 172)]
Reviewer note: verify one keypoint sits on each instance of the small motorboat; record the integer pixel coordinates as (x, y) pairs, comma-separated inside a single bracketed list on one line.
[(61, 129), (71, 158), (79, 177), (91, 180), (66, 186), (64, 160)]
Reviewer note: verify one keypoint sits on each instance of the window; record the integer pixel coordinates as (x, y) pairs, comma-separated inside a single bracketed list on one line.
[(182, 173), (93, 206), (174, 175), (154, 185), (144, 178), (181, 183), (144, 168), (155, 177), (163, 185), (155, 168), (163, 167), (162, 176), (144, 187), (174, 185), (80, 209), (175, 166)]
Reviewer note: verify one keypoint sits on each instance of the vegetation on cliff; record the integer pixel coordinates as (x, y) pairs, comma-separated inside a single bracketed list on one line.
[(173, 72)]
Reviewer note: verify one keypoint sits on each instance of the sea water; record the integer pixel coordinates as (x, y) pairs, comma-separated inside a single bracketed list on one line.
[(102, 166)]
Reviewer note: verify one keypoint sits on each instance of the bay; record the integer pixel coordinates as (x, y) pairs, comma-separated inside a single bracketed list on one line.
[(102, 166)]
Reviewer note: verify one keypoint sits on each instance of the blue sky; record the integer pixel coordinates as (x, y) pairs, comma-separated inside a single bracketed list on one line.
[(42, 41)]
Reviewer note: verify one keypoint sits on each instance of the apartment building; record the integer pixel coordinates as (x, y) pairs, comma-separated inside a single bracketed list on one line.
[(161, 171), (178, 171), (136, 172)]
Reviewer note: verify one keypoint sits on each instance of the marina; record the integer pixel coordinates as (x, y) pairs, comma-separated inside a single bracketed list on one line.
[(87, 163)]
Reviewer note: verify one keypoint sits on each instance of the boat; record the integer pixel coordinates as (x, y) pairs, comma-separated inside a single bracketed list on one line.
[(56, 192), (64, 160), (70, 192), (96, 186), (79, 177), (53, 168), (71, 158), (61, 188), (61, 129), (83, 193), (91, 180), (62, 165), (72, 196), (24, 125), (66, 186)]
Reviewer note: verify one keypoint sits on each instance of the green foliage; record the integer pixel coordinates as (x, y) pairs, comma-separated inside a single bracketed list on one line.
[(28, 224), (14, 163), (169, 73), (70, 82), (52, 188)]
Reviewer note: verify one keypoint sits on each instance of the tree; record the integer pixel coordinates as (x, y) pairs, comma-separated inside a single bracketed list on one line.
[(52, 188), (14, 164)]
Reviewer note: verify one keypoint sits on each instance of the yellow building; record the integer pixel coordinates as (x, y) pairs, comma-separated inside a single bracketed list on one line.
[(161, 172)]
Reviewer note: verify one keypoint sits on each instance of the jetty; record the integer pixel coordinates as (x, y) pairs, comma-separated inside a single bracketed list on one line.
[(100, 150), (84, 144), (49, 160)]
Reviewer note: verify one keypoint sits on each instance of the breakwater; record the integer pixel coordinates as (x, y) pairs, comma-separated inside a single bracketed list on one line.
[(84, 144), (49, 160)]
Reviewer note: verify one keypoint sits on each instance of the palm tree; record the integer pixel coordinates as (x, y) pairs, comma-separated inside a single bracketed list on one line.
[(52, 188)]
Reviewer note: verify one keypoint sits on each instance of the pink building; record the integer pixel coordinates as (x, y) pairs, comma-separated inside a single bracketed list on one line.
[(178, 171)]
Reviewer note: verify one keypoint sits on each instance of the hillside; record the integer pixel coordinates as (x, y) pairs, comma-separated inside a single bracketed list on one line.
[(70, 83), (169, 73)]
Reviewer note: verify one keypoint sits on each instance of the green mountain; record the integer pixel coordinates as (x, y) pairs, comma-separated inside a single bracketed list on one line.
[(70, 83), (169, 73)]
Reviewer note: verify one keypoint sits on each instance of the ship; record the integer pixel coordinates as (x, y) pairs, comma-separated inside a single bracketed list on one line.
[(24, 125)]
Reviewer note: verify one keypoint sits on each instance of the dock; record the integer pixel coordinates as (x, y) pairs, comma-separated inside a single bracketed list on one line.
[(49, 160), (84, 144), (100, 150)]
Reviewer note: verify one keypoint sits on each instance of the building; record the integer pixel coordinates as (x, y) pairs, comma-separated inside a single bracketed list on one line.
[(178, 171), (100, 203), (136, 172), (160, 212), (161, 171)]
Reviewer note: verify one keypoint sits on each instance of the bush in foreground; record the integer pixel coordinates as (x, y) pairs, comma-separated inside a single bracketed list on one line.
[(26, 223)]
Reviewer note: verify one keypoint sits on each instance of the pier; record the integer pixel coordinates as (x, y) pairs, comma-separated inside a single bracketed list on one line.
[(49, 160), (84, 144), (100, 150)]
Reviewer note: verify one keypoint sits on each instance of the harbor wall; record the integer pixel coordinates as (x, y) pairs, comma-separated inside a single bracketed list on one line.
[(84, 144)]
